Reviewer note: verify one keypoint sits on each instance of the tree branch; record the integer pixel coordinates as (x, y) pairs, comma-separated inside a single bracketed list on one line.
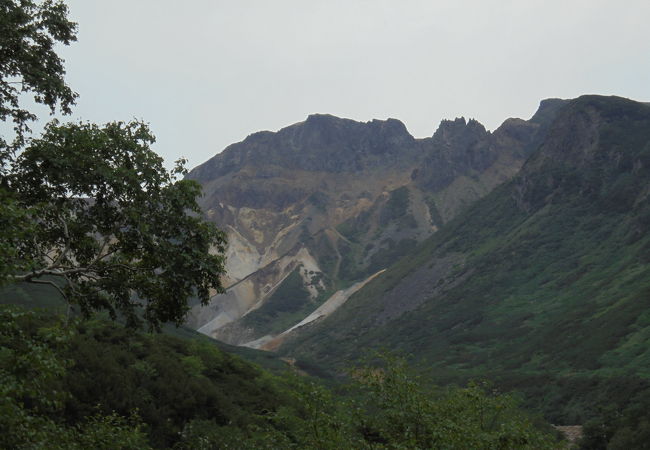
[(64, 272), (51, 283), (49, 271), (66, 249)]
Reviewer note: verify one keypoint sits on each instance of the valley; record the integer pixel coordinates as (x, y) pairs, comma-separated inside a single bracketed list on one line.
[(342, 281)]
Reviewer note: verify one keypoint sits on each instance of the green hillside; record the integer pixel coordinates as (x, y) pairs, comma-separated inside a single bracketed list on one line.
[(544, 285), (95, 384)]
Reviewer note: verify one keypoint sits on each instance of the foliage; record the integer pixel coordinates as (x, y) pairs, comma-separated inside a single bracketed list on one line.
[(32, 394), (385, 408), (620, 428), (396, 206), (108, 220), (405, 414), (94, 384), (94, 381), (28, 65), (15, 227), (86, 209), (169, 381), (29, 31)]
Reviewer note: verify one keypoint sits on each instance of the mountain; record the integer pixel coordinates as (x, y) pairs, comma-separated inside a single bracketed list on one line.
[(317, 209), (544, 284)]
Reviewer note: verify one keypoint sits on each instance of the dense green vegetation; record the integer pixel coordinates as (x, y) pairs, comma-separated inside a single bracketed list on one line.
[(98, 371), (95, 384), (108, 225), (32, 393), (396, 208), (46, 298)]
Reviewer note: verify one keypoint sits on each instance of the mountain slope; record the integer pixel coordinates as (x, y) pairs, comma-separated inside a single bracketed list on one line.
[(325, 203), (550, 272)]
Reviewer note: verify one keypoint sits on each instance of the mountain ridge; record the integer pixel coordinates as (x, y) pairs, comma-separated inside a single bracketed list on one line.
[(345, 198)]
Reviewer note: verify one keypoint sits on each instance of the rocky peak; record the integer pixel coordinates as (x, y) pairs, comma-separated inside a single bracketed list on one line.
[(459, 133), (594, 149), (580, 137), (322, 143), (340, 137), (548, 108)]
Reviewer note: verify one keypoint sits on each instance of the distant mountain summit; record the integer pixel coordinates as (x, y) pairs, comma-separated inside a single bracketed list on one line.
[(316, 209), (322, 143)]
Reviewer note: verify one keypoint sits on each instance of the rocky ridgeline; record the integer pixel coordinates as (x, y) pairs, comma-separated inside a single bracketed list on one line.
[(333, 201)]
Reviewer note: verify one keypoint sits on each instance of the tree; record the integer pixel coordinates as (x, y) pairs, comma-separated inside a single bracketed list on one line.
[(385, 408), (29, 64), (111, 228), (91, 210), (408, 414)]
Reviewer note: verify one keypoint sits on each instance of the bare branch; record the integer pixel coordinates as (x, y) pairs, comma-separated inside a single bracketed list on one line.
[(130, 268), (49, 271), (51, 283), (90, 277), (103, 246), (66, 249), (47, 255), (100, 257)]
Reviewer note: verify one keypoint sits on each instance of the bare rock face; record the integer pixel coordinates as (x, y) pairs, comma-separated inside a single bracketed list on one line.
[(335, 201)]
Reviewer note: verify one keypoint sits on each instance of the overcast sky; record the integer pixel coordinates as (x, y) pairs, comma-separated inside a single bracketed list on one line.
[(206, 73)]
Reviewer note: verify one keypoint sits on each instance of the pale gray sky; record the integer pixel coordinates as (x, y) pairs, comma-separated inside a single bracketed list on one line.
[(206, 74)]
